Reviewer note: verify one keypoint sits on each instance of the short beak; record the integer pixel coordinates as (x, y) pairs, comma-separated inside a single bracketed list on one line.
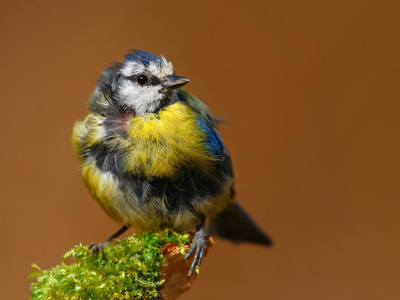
[(172, 82)]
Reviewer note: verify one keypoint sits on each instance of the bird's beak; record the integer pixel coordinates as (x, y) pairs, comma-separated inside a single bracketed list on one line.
[(172, 82)]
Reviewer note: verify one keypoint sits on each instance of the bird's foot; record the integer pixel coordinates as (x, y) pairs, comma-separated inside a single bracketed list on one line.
[(96, 249), (198, 244)]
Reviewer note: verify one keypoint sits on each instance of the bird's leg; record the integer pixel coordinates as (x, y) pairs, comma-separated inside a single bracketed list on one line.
[(99, 248), (198, 244)]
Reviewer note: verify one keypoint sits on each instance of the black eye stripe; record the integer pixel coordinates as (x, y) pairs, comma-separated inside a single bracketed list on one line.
[(153, 80)]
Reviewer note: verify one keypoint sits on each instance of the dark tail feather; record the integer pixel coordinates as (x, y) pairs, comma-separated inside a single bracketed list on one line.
[(234, 224)]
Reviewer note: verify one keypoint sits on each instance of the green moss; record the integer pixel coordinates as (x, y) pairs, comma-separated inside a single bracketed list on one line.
[(129, 269)]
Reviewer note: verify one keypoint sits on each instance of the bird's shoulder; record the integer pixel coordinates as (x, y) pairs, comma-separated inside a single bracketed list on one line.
[(199, 108), (206, 122)]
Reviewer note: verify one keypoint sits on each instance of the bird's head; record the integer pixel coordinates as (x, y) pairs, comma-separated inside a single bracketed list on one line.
[(144, 82)]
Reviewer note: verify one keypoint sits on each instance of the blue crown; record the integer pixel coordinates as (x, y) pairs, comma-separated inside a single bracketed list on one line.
[(143, 57)]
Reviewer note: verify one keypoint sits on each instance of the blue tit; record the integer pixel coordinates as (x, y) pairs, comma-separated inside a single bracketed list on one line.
[(151, 156)]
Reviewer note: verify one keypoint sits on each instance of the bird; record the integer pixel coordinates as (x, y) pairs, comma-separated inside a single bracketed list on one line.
[(150, 154)]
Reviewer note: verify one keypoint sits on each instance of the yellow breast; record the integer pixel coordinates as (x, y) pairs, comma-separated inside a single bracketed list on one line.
[(162, 144)]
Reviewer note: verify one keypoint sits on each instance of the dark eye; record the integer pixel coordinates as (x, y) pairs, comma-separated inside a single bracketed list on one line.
[(142, 79)]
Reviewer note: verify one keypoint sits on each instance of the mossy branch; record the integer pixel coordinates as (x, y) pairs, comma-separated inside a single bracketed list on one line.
[(134, 268)]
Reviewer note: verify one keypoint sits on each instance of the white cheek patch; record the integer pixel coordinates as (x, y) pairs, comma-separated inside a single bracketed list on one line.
[(140, 99)]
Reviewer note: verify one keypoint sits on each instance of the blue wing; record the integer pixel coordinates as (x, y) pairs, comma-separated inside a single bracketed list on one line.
[(216, 147), (213, 140), (206, 122)]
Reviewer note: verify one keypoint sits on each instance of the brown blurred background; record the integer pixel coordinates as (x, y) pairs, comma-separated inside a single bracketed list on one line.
[(310, 95)]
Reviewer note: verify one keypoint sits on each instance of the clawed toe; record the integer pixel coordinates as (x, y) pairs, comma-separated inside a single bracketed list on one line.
[(198, 244), (96, 249)]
